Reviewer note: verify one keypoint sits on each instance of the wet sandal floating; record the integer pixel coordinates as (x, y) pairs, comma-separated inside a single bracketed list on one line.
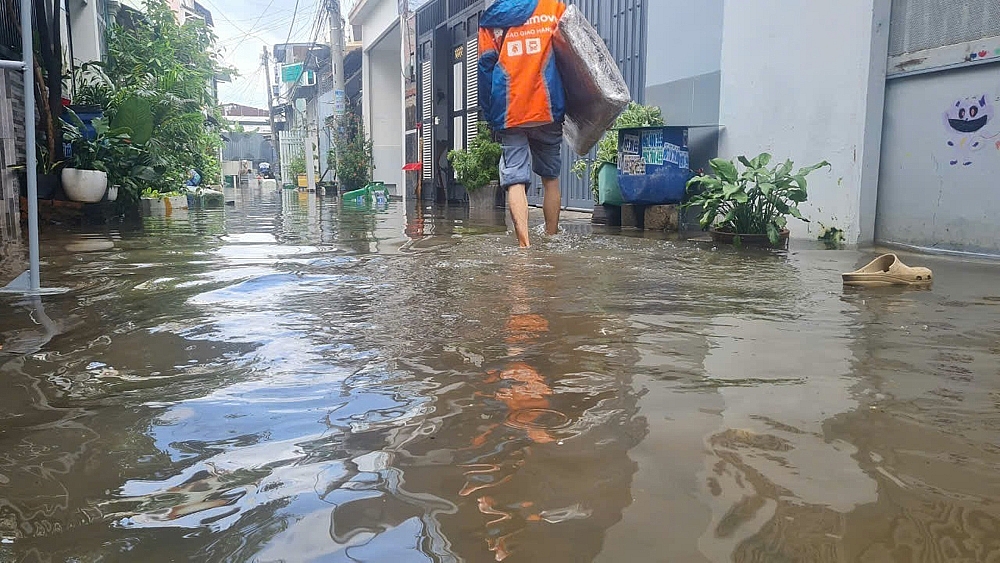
[(887, 270)]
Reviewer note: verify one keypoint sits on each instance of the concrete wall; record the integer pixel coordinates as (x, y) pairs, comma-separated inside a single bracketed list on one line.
[(805, 80), (382, 87), (683, 61), (87, 31), (386, 119), (924, 199)]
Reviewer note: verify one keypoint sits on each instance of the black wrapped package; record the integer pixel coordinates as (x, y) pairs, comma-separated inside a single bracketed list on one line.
[(596, 92)]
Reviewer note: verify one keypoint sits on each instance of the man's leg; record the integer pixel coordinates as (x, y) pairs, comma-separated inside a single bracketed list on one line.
[(515, 174), (546, 147), (552, 205), (517, 202)]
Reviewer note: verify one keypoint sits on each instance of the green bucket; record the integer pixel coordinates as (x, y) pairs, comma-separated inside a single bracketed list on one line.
[(607, 185)]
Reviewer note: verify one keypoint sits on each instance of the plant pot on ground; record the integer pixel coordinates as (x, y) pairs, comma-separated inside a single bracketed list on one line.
[(85, 186), (47, 174), (752, 205), (478, 168), (85, 178)]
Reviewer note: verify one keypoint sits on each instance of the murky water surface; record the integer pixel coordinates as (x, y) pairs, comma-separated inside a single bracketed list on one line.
[(287, 380)]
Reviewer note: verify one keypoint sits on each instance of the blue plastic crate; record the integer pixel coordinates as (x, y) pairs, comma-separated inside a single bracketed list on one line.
[(653, 164)]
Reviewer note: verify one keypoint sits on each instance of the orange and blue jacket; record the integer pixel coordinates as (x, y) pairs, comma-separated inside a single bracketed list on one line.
[(519, 84)]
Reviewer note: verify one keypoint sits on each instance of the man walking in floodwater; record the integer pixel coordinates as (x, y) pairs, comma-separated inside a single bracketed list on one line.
[(522, 97)]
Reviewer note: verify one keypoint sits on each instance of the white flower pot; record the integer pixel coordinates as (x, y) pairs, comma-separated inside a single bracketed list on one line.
[(85, 186)]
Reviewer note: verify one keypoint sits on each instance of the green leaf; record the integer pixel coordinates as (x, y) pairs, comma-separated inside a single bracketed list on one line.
[(772, 234), (144, 173), (724, 169), (781, 221), (741, 197), (817, 166), (763, 160), (766, 188), (801, 181), (706, 220), (784, 169), (729, 189), (797, 195), (794, 211), (745, 162), (136, 115)]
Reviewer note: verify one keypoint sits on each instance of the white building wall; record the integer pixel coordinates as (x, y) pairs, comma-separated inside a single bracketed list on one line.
[(88, 32), (386, 119), (806, 81), (382, 88)]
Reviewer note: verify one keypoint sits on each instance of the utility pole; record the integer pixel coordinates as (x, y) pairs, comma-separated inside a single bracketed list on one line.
[(337, 61), (276, 166)]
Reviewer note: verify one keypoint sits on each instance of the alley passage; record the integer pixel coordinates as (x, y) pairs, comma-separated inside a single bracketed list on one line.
[(291, 380)]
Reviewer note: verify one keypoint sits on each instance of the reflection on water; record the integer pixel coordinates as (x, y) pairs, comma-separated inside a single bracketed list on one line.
[(293, 379)]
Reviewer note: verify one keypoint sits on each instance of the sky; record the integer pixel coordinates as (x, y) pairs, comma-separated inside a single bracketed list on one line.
[(245, 27)]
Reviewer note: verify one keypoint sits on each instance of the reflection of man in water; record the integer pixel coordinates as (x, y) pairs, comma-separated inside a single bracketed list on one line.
[(526, 394)]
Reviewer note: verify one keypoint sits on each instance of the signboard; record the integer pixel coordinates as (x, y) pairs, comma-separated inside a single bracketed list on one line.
[(339, 105), (291, 73)]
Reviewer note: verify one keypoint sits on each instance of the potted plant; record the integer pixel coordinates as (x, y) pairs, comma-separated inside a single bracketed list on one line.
[(353, 161), (604, 166), (155, 202), (85, 178), (478, 168), (298, 170), (46, 172), (749, 206)]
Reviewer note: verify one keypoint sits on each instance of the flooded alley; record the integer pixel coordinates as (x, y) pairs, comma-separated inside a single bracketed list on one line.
[(289, 379)]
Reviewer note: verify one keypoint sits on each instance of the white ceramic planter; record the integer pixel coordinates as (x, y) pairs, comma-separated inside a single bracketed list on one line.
[(85, 186)]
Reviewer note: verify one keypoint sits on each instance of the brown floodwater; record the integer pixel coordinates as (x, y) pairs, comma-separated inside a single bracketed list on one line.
[(291, 380)]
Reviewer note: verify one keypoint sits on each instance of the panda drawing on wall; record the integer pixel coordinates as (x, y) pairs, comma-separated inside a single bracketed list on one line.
[(968, 121)]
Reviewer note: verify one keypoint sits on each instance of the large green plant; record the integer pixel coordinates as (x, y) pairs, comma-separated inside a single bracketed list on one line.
[(159, 66), (480, 164), (754, 200), (635, 115)]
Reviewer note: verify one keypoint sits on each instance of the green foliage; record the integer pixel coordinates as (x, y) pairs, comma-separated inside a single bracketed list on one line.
[(156, 86), (635, 115), (297, 166), (151, 193), (480, 164), (753, 201), (354, 164), (92, 154), (831, 237), (136, 115)]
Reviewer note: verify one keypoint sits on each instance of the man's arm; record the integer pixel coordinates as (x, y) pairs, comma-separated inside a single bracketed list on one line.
[(489, 55)]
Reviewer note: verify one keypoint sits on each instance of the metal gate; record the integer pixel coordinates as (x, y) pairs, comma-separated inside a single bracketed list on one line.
[(940, 153), (292, 148), (622, 25)]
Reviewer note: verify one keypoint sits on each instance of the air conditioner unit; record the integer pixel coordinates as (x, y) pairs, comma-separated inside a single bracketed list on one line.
[(308, 78)]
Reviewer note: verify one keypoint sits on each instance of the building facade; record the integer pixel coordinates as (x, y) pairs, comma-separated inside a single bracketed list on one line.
[(900, 96)]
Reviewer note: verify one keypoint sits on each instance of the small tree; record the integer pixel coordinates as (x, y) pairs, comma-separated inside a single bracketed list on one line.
[(354, 162)]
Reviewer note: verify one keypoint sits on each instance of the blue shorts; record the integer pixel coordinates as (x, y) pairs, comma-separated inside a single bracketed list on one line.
[(530, 149)]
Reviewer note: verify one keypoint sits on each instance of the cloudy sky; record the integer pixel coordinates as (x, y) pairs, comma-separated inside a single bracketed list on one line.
[(245, 27)]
